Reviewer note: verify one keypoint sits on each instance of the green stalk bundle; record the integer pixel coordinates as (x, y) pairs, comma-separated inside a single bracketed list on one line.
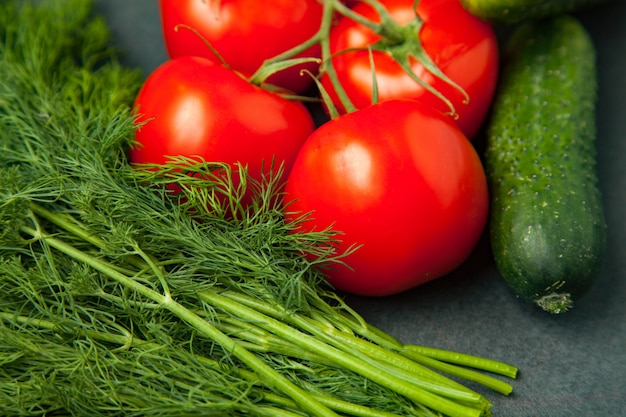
[(120, 298)]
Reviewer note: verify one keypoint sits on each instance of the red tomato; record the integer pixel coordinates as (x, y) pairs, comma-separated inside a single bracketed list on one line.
[(463, 47), (194, 107), (400, 179), (244, 32)]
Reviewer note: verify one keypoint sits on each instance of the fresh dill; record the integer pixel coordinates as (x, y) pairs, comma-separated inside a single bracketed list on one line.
[(121, 298)]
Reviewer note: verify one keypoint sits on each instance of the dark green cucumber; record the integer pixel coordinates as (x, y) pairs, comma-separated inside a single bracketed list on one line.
[(547, 225), (515, 11)]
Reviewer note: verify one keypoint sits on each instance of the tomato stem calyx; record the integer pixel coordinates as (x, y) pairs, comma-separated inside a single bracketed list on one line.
[(404, 44)]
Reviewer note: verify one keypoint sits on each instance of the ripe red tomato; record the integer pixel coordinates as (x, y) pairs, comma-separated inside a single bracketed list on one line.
[(244, 32), (463, 47), (398, 178), (196, 108)]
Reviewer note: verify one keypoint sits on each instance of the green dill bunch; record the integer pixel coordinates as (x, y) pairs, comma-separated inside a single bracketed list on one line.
[(64, 98), (65, 126)]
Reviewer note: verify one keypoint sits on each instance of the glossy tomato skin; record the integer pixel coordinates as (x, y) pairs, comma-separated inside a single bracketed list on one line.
[(461, 45), (193, 107), (244, 32), (400, 179)]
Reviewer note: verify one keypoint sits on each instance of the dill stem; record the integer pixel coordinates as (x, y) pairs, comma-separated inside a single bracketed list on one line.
[(399, 365), (346, 360), (389, 361), (269, 375), (49, 325), (443, 360), (130, 340), (69, 224), (410, 358), (257, 342), (351, 409), (458, 371), (417, 354), (485, 364)]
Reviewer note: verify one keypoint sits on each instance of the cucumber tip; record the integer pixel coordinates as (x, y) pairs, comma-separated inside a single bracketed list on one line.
[(555, 303)]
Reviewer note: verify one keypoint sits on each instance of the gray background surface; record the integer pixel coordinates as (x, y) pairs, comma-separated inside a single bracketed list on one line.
[(572, 365)]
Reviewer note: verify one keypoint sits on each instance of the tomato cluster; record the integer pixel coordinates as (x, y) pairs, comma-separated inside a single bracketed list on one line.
[(392, 168)]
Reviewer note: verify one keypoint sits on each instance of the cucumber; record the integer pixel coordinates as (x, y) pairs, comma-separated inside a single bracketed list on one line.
[(547, 225), (515, 11)]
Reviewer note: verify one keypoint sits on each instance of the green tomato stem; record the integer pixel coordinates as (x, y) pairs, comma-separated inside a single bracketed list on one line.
[(321, 37), (387, 28), (327, 64)]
